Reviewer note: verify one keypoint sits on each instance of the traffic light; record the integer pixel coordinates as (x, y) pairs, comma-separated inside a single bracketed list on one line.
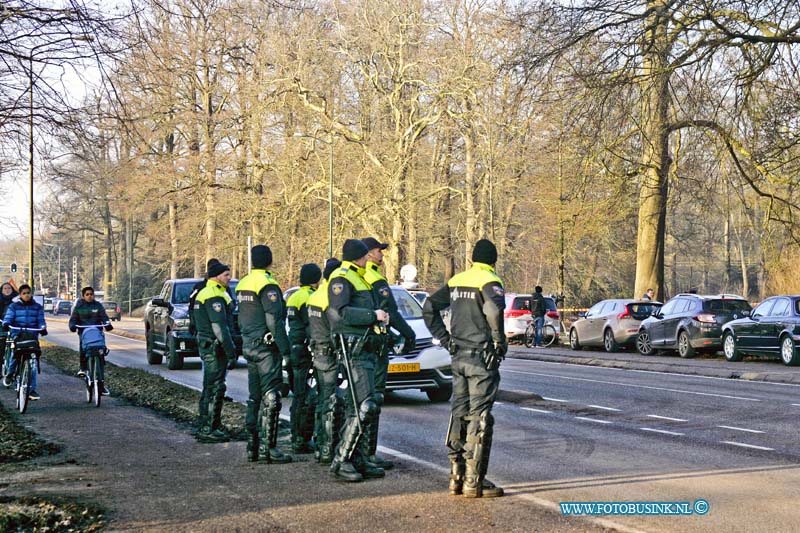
[(13, 267)]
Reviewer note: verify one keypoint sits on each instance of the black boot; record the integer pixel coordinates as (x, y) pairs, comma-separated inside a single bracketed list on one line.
[(457, 469), (341, 466), (252, 446), (372, 438), (210, 430), (268, 430), (475, 483)]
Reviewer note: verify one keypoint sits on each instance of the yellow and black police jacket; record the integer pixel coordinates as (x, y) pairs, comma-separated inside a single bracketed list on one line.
[(351, 307), (476, 299), (383, 296), (262, 309), (319, 329), (297, 314), (213, 315)]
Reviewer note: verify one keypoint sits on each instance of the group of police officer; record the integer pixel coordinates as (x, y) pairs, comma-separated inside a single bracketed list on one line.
[(339, 322)]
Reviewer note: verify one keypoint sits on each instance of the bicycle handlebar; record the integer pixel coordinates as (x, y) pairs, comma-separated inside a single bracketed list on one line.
[(27, 329), (94, 325)]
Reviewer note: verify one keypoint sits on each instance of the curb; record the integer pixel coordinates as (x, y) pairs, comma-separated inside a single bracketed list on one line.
[(667, 368)]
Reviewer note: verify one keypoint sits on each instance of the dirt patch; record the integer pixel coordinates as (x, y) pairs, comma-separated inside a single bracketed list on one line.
[(144, 389), (31, 513), (19, 444)]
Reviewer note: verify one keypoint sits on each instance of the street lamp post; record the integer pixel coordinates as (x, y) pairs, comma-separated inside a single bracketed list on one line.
[(58, 274)]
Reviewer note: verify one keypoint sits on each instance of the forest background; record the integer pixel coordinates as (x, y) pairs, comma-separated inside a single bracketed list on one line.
[(605, 146)]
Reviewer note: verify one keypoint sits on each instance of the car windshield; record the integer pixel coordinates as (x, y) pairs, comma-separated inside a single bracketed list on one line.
[(641, 311), (726, 306), (407, 305), (182, 291)]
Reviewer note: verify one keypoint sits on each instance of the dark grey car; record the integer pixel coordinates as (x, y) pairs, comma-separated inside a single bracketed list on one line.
[(611, 324)]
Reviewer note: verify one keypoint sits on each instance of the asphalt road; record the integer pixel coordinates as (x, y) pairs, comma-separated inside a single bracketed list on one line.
[(601, 434)]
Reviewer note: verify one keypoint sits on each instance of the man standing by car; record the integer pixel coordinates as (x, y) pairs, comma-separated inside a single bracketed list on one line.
[(649, 295), (355, 322), (212, 315), (478, 343), (302, 412), (538, 310), (382, 294), (326, 365), (262, 320), (88, 312)]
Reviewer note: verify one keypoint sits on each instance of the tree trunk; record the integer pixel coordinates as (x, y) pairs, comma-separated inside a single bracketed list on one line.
[(173, 240)]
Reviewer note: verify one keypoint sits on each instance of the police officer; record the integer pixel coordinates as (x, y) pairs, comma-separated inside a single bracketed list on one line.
[(478, 343), (326, 367), (385, 300), (303, 403), (213, 318), (262, 320), (355, 321)]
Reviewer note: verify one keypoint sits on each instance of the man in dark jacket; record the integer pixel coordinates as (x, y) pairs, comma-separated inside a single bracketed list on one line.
[(88, 312), (356, 323), (477, 341), (538, 310)]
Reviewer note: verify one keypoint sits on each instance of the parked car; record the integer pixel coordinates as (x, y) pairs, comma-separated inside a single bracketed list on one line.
[(772, 328), (113, 311), (62, 307), (166, 324), (517, 315), (48, 305), (610, 324), (690, 323), (420, 295), (427, 367)]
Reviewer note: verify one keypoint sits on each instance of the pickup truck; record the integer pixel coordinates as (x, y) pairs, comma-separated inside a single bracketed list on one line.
[(166, 324)]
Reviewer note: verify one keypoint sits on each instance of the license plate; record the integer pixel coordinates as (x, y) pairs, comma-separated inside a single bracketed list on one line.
[(395, 368)]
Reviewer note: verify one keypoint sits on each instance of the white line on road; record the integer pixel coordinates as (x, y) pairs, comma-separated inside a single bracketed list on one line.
[(796, 404), (743, 445), (499, 403), (553, 399), (593, 420), (604, 408), (411, 458), (535, 410), (635, 386), (741, 429), (668, 418), (664, 431)]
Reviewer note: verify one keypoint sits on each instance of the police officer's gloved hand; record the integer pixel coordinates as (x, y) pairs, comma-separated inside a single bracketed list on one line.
[(409, 345), (501, 348), (109, 327)]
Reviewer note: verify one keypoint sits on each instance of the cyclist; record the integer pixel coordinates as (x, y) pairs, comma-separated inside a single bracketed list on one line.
[(25, 313), (88, 312), (538, 310), (7, 295)]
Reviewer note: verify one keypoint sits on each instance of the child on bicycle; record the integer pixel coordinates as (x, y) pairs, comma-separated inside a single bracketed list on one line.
[(25, 313), (94, 340), (88, 312)]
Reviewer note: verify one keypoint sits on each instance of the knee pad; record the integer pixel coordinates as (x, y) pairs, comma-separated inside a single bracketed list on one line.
[(273, 400), (379, 398), (486, 420), (368, 409)]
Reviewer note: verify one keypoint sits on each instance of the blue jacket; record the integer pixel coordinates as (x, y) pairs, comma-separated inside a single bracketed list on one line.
[(22, 315)]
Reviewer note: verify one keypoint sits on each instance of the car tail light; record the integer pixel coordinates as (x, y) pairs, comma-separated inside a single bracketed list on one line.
[(118, 310), (706, 318), (553, 314), (514, 313), (624, 314)]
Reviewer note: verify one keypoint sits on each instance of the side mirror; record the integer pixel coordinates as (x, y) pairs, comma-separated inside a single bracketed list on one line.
[(158, 302), (656, 313)]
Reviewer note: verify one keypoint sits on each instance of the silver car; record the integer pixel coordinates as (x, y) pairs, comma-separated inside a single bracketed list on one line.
[(610, 324)]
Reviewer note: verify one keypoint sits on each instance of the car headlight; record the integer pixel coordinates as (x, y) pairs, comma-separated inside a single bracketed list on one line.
[(182, 323)]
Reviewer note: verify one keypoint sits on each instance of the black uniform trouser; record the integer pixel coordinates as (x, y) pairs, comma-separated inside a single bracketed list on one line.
[(214, 369), (263, 375), (382, 367), (361, 384), (301, 413), (326, 368), (474, 392)]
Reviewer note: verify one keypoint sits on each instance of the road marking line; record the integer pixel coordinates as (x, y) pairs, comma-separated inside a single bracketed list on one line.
[(796, 404), (747, 445), (499, 403), (668, 418), (411, 458), (593, 420), (535, 410), (554, 400), (636, 386), (664, 431), (605, 408), (741, 429)]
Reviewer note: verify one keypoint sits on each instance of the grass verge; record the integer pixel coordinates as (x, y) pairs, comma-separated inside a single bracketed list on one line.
[(20, 444), (31, 513)]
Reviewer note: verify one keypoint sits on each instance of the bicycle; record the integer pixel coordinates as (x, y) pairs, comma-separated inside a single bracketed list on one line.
[(28, 351), (549, 335), (7, 352), (93, 342)]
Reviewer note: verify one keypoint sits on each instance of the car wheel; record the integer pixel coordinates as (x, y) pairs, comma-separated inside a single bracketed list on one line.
[(152, 357), (174, 359), (685, 349), (729, 348), (439, 395), (609, 342), (789, 354), (643, 343), (574, 343)]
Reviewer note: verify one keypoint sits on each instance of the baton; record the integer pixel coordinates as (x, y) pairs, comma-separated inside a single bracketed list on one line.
[(350, 381)]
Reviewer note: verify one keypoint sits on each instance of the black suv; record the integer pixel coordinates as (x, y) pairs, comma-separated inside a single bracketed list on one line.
[(690, 323), (166, 324)]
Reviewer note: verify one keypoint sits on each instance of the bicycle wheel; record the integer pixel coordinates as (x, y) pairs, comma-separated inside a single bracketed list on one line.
[(87, 381), (25, 377), (548, 335), (530, 334), (96, 390)]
